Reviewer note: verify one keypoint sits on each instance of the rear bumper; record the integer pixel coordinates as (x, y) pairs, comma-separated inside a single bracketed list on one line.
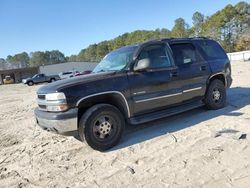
[(64, 123)]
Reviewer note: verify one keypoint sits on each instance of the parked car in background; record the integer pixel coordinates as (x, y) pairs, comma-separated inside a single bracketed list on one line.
[(69, 74), (8, 80), (40, 78), (83, 73)]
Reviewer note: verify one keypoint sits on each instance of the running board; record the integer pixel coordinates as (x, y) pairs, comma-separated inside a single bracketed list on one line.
[(164, 113)]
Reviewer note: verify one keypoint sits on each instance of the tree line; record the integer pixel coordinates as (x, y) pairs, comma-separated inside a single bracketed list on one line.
[(37, 58), (229, 26)]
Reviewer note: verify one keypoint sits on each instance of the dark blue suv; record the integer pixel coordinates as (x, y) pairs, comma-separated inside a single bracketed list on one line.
[(136, 84)]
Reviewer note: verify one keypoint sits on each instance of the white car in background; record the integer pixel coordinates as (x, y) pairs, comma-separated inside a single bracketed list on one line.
[(69, 74)]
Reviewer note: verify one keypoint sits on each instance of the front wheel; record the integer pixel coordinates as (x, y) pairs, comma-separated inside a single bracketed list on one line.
[(30, 83), (101, 126), (216, 95)]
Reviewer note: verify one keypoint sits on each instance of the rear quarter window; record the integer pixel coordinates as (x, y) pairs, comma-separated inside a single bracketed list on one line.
[(185, 53), (212, 50)]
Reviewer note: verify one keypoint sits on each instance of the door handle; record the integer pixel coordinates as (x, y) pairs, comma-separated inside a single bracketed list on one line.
[(203, 68), (173, 74)]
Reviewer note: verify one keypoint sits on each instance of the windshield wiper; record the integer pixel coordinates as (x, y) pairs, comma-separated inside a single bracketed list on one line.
[(102, 70)]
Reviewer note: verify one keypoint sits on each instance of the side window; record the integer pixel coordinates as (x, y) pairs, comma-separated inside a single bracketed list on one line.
[(212, 50), (66, 73), (185, 54), (157, 55)]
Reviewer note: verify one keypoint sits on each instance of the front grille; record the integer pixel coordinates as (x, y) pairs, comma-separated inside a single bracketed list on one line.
[(44, 104), (42, 107), (41, 100), (41, 97)]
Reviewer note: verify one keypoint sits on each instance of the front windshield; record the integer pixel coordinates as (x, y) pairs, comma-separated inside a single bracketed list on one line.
[(35, 76), (115, 60)]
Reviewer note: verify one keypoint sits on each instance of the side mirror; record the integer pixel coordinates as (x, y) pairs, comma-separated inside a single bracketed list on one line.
[(142, 64)]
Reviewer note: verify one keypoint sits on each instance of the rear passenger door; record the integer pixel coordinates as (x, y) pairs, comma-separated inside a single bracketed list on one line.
[(193, 70)]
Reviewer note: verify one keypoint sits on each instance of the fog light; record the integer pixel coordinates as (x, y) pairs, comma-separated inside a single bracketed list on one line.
[(57, 108)]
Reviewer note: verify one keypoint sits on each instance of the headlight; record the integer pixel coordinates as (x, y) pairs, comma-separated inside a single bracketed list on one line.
[(53, 102), (55, 96)]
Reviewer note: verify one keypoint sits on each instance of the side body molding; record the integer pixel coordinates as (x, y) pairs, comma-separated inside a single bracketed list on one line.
[(103, 93)]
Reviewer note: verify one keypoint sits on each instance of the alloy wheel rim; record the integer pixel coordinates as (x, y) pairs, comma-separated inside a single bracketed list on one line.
[(103, 127), (216, 95)]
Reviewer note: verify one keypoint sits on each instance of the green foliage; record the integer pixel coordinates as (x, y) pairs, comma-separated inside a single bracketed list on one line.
[(180, 29), (2, 60), (18, 58), (96, 52), (244, 42), (198, 21), (46, 58), (37, 58), (72, 58), (226, 26)]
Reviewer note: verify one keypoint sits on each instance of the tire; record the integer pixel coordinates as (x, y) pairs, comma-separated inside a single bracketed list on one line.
[(101, 126), (30, 83), (215, 97), (52, 80)]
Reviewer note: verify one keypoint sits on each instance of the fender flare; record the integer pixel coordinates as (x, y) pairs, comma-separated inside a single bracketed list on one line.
[(219, 73), (107, 92)]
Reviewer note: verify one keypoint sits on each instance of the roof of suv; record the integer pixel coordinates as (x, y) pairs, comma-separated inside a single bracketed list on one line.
[(178, 39), (169, 40)]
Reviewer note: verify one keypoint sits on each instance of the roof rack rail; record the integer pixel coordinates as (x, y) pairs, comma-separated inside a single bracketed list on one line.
[(153, 40), (175, 39), (185, 38), (200, 37)]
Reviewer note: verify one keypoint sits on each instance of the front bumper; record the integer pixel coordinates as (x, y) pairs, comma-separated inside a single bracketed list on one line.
[(64, 123)]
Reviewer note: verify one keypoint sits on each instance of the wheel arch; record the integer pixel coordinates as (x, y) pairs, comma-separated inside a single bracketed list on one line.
[(220, 76), (114, 98)]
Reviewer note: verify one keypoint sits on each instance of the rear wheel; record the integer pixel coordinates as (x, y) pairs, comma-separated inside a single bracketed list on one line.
[(101, 126), (216, 95), (52, 80), (30, 83)]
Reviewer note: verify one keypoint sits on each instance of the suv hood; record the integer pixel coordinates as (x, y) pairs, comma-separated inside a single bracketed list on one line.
[(56, 86)]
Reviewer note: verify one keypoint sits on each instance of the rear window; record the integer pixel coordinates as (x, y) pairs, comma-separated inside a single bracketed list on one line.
[(212, 50)]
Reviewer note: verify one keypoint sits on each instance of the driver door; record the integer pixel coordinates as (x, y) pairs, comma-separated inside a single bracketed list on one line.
[(157, 87), (40, 78)]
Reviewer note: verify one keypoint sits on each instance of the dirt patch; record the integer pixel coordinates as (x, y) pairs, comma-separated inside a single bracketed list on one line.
[(178, 151)]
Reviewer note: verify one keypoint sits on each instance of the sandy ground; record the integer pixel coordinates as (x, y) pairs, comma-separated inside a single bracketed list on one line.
[(180, 151)]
